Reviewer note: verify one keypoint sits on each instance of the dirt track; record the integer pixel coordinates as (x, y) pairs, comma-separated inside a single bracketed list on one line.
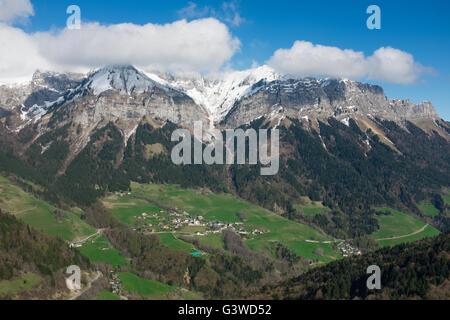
[(405, 236)]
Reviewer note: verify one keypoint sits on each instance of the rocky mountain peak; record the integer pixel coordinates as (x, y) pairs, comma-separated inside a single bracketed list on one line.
[(54, 80), (124, 78), (320, 99)]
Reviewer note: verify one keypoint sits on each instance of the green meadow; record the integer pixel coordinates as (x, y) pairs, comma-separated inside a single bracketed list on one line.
[(213, 239), (428, 232), (100, 250), (27, 282), (446, 198), (225, 208), (40, 214), (401, 228), (428, 209), (107, 295), (144, 287), (311, 208), (154, 290), (171, 241), (126, 209)]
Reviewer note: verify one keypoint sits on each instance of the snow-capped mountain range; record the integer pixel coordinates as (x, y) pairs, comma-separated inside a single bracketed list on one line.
[(217, 94), (228, 99)]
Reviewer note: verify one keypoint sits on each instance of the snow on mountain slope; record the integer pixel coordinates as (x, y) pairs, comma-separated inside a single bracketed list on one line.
[(124, 78), (231, 98), (217, 93)]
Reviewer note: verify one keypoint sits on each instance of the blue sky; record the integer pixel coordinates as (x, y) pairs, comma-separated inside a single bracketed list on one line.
[(420, 28)]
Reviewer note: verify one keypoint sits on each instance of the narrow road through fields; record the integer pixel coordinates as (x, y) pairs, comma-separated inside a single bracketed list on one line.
[(316, 241), (99, 232), (406, 235)]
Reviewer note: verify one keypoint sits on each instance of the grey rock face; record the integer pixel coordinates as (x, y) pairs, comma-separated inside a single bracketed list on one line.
[(322, 99), (4, 112), (44, 88), (122, 95), (47, 87), (411, 111), (122, 92), (13, 96), (90, 110)]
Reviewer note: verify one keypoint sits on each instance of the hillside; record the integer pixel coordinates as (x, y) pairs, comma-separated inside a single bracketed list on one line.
[(32, 264), (40, 215), (419, 270)]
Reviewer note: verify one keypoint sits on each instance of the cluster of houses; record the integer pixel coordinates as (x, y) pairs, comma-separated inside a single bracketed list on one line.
[(154, 223), (115, 283), (347, 249), (151, 223)]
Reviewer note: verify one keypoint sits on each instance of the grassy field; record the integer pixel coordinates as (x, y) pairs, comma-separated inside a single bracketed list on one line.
[(311, 208), (428, 209), (429, 231), (154, 290), (301, 248), (224, 208), (26, 282), (144, 287), (446, 198), (214, 239), (107, 295), (401, 226), (127, 208), (40, 214), (172, 242), (94, 252)]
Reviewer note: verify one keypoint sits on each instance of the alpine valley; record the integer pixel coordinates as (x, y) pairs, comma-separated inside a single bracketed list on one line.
[(86, 179)]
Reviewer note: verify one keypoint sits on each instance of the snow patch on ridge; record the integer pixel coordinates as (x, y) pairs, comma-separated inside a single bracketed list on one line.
[(120, 77), (217, 93)]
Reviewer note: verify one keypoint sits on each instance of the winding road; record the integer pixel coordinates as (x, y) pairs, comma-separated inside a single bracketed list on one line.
[(99, 232), (406, 235)]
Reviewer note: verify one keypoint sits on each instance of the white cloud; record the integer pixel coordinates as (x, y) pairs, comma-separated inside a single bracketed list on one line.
[(232, 14), (201, 45), (194, 11), (13, 9), (386, 64), (19, 55), (229, 12), (393, 65)]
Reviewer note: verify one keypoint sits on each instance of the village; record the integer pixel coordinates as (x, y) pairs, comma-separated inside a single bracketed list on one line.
[(115, 283), (347, 249), (173, 220)]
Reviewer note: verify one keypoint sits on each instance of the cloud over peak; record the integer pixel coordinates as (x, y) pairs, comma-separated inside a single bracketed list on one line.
[(200, 45), (385, 64)]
